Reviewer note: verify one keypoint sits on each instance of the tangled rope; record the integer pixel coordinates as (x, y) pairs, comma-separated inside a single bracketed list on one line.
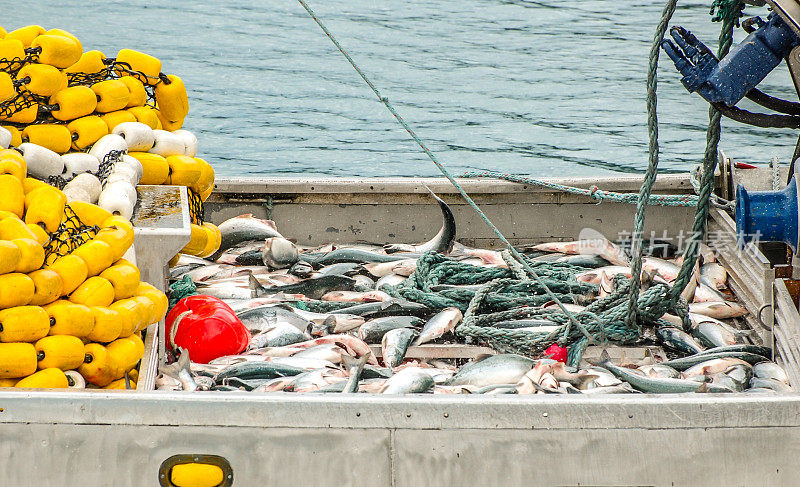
[(716, 201), (504, 294), (509, 291), (594, 192), (180, 289)]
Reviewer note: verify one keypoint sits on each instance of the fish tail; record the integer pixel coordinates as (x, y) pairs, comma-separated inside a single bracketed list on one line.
[(355, 363), (175, 368)]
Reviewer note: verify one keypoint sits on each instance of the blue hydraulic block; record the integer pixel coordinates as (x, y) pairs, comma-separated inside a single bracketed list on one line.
[(768, 216), (745, 66)]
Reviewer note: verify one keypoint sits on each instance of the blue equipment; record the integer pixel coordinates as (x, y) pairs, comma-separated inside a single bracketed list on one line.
[(768, 216), (745, 66)]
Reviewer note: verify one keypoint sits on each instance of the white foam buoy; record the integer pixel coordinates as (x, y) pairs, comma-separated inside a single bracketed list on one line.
[(106, 144), (121, 187), (133, 163), (137, 135), (88, 183), (77, 194), (189, 142), (116, 202), (5, 137), (125, 174), (78, 163), (41, 161), (167, 144)]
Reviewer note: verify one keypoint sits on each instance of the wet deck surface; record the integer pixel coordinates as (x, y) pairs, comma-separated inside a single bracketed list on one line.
[(158, 207)]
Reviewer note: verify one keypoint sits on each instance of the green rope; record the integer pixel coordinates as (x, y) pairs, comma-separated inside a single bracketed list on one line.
[(514, 291), (316, 306), (180, 289), (504, 294), (575, 352), (603, 318), (729, 12), (652, 167), (299, 305), (593, 192)]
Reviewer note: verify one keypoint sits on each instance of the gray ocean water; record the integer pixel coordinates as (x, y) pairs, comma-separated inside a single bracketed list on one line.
[(545, 88)]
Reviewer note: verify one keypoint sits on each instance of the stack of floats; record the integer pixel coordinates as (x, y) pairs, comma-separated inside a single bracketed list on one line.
[(97, 126), (67, 318), (78, 132)]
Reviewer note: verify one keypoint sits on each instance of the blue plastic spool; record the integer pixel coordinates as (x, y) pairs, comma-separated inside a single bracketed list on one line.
[(768, 216)]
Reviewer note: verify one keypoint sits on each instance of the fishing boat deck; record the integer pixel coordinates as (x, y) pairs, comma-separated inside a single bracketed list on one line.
[(406, 437)]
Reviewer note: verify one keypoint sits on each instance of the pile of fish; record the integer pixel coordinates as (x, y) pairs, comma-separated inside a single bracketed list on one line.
[(369, 341)]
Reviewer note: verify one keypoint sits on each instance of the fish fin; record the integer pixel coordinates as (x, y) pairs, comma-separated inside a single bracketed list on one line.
[(586, 379), (481, 356), (648, 359), (329, 324), (648, 277), (256, 288), (703, 388)]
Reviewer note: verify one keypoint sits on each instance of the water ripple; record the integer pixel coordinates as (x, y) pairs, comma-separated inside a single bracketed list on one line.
[(534, 87)]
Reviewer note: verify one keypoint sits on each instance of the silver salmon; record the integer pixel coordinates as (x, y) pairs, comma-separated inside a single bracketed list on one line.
[(411, 380), (444, 321)]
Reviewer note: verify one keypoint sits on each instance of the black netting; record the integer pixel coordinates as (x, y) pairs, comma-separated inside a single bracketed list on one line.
[(103, 171), (12, 65), (88, 79), (107, 164), (114, 70), (18, 103), (57, 181), (32, 55), (195, 207), (71, 234)]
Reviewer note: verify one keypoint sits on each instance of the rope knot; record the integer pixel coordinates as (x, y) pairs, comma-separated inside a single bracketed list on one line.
[(593, 194), (727, 10)]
